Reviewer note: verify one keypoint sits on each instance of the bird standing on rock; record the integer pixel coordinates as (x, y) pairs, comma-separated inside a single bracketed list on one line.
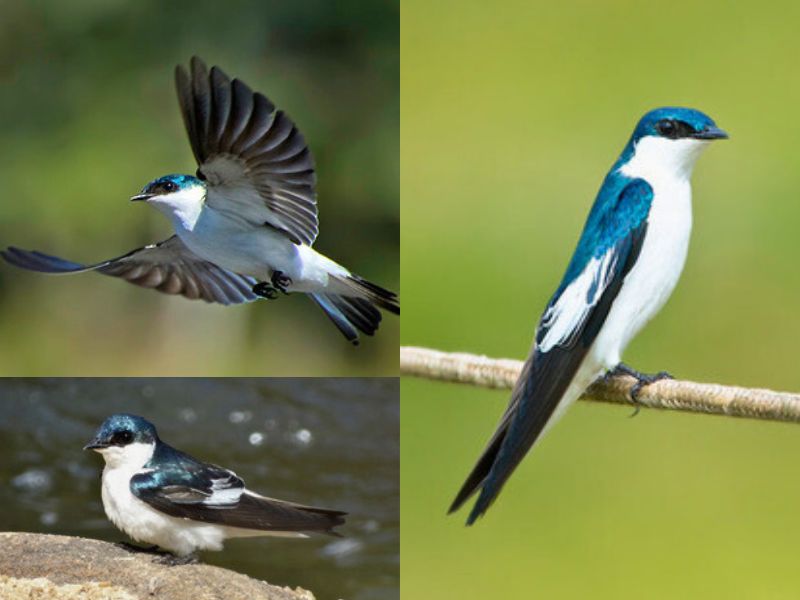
[(159, 495)]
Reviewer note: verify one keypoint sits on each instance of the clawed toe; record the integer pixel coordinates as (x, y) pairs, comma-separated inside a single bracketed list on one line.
[(171, 560), (265, 290), (134, 548), (642, 381), (281, 281)]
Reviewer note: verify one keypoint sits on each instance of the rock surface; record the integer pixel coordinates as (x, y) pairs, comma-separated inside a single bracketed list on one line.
[(55, 567)]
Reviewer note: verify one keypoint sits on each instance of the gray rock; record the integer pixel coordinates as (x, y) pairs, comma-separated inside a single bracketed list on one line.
[(34, 566)]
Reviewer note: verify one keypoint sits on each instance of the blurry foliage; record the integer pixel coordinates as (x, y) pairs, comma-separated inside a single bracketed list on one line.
[(512, 115), (88, 115)]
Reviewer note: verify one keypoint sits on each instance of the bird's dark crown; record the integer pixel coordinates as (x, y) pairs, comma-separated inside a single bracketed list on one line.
[(124, 429), (675, 123), (170, 183)]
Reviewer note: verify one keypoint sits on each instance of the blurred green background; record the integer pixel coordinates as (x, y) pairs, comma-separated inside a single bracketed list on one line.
[(88, 115), (512, 113)]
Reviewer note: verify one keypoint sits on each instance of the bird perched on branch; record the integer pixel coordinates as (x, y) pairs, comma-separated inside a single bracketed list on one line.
[(245, 224), (627, 262), (159, 495)]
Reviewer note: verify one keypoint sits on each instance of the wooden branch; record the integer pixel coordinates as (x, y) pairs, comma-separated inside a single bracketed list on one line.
[(669, 394)]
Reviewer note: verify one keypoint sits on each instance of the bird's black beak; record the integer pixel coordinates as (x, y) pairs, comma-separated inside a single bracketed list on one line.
[(711, 133), (95, 444), (139, 197)]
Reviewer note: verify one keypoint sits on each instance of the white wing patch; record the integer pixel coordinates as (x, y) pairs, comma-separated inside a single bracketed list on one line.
[(564, 318), (222, 493)]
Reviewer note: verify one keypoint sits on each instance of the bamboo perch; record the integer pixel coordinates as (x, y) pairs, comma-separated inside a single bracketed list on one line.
[(670, 394)]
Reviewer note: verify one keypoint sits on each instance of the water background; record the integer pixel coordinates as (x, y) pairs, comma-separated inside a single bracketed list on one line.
[(326, 442)]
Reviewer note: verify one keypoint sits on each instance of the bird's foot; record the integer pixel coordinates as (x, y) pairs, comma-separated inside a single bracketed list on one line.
[(642, 380), (171, 560), (265, 290), (280, 281), (136, 548)]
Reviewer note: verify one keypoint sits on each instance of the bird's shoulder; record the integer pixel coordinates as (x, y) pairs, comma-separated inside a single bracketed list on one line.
[(611, 239), (621, 205)]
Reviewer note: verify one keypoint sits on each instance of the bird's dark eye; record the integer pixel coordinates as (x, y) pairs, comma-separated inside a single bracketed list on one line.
[(122, 438), (672, 129), (666, 127), (169, 186)]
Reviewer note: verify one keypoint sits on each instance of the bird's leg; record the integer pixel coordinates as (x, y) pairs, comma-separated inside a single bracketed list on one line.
[(280, 281), (171, 560), (265, 290), (642, 380)]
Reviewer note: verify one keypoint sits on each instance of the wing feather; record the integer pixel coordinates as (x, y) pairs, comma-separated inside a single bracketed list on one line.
[(566, 331), (169, 267), (249, 152), (184, 487)]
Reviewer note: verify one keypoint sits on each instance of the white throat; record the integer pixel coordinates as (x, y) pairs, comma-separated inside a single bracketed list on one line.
[(657, 158), (183, 207), (130, 458)]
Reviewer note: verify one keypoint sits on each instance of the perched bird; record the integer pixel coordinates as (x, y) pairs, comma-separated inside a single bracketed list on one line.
[(627, 262), (159, 495), (245, 224)]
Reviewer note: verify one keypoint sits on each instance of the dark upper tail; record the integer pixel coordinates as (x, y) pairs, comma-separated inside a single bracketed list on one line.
[(540, 388), (358, 310)]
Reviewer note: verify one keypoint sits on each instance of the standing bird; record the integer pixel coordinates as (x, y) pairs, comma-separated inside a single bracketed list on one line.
[(244, 226), (627, 262), (159, 495)]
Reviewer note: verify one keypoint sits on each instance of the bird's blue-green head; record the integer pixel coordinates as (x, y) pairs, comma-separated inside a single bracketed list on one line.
[(123, 439), (668, 141), (178, 196), (675, 123)]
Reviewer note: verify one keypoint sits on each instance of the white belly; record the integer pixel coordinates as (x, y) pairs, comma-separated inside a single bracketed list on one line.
[(237, 246), (647, 287), (651, 281)]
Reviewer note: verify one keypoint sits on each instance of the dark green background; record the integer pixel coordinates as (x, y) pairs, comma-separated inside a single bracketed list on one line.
[(513, 112), (88, 115)]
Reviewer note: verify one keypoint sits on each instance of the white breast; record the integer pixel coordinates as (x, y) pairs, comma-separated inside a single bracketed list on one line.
[(666, 165), (140, 521)]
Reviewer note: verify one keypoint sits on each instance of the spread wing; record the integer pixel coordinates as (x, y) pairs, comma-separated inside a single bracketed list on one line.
[(255, 160), (168, 267), (203, 492), (569, 326)]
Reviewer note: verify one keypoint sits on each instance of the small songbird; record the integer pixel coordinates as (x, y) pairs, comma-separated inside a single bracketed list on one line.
[(159, 495), (627, 262), (245, 224)]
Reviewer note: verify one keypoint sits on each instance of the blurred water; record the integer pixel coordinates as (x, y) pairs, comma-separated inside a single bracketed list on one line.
[(327, 442)]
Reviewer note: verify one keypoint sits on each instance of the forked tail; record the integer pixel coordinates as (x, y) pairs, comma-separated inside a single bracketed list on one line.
[(356, 307)]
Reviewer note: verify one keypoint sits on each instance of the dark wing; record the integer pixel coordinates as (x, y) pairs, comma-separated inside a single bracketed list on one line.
[(568, 327), (168, 267), (255, 160), (202, 492)]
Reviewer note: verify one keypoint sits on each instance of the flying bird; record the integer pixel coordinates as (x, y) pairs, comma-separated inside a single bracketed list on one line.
[(159, 495), (627, 262), (246, 222)]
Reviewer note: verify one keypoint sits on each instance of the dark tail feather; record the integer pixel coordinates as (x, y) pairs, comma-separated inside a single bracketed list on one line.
[(270, 514), (328, 304), (326, 519), (357, 312), (377, 295), (478, 475)]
